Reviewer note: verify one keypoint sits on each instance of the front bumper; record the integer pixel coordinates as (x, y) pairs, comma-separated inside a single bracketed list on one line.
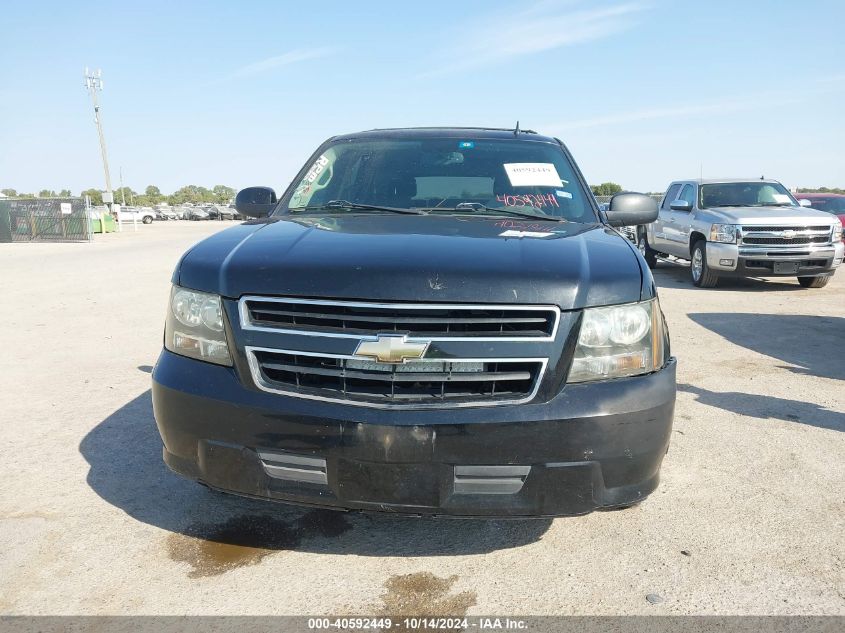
[(756, 261), (594, 445)]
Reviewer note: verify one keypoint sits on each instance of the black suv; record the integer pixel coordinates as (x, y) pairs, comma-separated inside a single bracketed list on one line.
[(428, 321)]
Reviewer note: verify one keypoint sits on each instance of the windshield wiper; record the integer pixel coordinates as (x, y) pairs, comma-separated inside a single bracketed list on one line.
[(356, 206), (477, 206)]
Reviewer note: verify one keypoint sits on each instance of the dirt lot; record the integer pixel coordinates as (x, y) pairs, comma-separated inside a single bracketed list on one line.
[(749, 517)]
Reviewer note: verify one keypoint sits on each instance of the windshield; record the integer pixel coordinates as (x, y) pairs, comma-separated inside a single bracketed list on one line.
[(831, 205), (435, 175), (745, 194)]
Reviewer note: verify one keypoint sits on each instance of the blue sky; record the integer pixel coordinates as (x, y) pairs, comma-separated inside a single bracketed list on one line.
[(241, 93)]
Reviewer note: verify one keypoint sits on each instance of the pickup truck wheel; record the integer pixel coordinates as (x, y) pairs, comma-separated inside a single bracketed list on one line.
[(702, 276), (814, 282), (147, 220), (645, 250)]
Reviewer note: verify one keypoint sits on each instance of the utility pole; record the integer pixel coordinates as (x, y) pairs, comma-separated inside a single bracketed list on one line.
[(123, 200), (94, 83)]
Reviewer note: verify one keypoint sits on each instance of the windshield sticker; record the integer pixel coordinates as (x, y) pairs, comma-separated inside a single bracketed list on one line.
[(316, 170), (466, 145), (521, 234), (528, 200), (781, 198), (563, 194), (533, 174)]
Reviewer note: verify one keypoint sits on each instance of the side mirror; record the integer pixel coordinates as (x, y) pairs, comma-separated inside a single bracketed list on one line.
[(805, 203), (681, 205), (256, 202), (631, 209)]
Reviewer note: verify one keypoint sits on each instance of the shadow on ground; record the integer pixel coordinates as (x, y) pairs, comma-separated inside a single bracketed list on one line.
[(675, 274), (767, 407), (808, 344), (126, 470)]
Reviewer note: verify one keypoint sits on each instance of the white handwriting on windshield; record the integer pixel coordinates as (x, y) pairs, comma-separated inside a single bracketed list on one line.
[(528, 200)]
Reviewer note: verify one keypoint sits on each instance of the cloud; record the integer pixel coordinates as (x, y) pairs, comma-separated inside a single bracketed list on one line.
[(543, 26), (750, 102), (286, 59)]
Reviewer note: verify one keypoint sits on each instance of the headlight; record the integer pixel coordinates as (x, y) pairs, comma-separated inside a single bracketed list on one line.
[(194, 326), (725, 233), (617, 341), (836, 230)]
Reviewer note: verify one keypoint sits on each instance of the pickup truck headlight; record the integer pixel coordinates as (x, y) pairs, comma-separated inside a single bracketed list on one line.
[(194, 326), (836, 231), (725, 233), (624, 340)]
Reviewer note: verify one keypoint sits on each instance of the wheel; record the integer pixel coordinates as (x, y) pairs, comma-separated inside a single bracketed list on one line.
[(702, 276), (147, 220), (815, 282), (645, 250)]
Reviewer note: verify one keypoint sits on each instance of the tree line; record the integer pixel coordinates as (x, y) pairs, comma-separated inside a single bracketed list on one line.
[(152, 195), (221, 194)]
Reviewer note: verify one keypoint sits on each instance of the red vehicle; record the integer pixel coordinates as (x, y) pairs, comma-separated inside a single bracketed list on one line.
[(831, 202)]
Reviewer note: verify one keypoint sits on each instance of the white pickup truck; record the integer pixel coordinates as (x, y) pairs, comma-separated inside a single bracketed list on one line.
[(743, 228)]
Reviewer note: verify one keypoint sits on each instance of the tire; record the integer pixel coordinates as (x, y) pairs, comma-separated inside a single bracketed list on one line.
[(815, 282), (702, 275), (147, 220), (649, 255)]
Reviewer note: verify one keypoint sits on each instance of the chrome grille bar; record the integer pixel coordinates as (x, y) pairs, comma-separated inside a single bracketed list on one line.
[(431, 321), (421, 384)]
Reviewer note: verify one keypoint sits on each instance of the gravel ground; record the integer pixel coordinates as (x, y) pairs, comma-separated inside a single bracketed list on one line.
[(748, 518)]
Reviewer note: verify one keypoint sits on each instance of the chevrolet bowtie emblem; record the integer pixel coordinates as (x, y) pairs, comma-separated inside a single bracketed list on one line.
[(788, 234), (391, 349)]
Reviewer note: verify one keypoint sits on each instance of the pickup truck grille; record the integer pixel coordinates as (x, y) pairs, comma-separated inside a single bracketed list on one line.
[(432, 321), (803, 239), (785, 235), (769, 229), (368, 383)]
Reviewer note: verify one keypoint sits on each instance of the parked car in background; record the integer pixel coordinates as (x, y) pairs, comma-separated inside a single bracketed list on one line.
[(144, 215), (197, 213), (831, 202), (746, 228), (433, 321), (220, 212), (166, 214)]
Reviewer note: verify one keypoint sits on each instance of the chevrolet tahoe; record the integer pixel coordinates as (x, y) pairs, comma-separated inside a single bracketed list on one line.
[(427, 322)]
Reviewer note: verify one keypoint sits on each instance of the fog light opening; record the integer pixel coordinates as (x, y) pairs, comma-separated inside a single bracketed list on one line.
[(726, 262)]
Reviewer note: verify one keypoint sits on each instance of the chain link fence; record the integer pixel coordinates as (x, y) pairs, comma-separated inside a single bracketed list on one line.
[(44, 220)]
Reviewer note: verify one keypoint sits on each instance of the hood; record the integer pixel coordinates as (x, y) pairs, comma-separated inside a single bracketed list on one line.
[(770, 216), (418, 258)]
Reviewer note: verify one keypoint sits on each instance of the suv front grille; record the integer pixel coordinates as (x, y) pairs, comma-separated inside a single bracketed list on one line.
[(431, 321), (428, 382)]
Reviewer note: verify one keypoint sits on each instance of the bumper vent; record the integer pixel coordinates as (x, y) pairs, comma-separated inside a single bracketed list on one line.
[(490, 480), (432, 321), (311, 470), (428, 382)]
